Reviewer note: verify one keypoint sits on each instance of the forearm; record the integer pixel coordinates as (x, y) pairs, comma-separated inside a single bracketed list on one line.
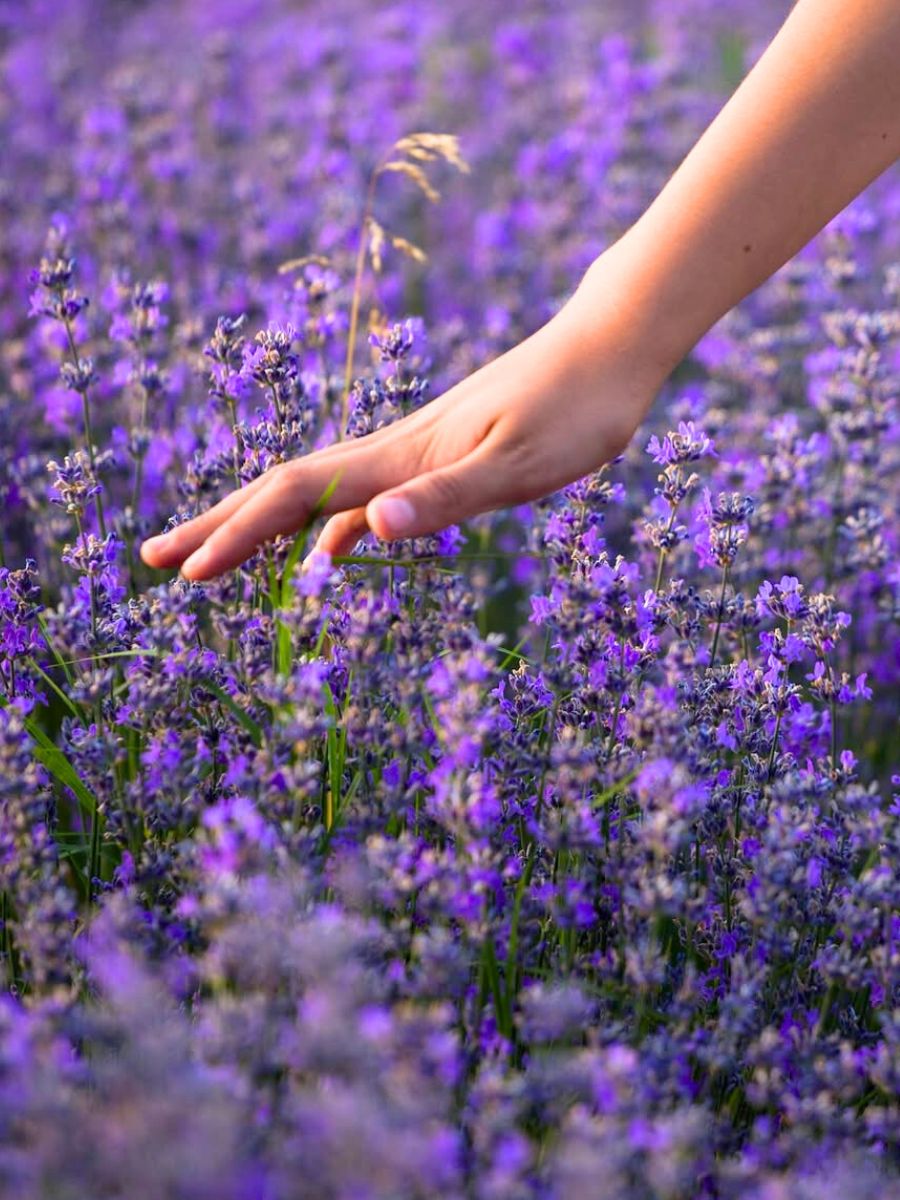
[(815, 121)]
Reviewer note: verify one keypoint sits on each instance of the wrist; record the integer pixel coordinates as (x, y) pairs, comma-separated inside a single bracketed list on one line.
[(603, 352), (621, 292)]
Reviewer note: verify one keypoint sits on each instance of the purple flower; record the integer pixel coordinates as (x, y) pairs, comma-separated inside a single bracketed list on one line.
[(688, 444)]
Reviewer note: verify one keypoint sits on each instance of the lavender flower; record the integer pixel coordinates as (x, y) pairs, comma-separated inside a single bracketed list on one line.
[(551, 855)]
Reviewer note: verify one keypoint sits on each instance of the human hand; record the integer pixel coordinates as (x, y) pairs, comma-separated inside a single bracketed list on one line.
[(552, 409), (813, 123)]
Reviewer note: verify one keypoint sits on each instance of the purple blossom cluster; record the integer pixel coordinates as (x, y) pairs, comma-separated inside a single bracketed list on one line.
[(553, 856)]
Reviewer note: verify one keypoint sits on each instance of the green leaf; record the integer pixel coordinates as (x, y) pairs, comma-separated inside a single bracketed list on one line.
[(239, 714), (513, 653), (513, 947), (49, 755), (60, 661), (317, 650), (285, 595), (287, 579), (731, 58), (501, 1005), (57, 690), (604, 797), (283, 647), (339, 810), (336, 739), (54, 760)]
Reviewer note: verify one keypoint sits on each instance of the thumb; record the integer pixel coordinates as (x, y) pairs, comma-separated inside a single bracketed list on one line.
[(438, 498)]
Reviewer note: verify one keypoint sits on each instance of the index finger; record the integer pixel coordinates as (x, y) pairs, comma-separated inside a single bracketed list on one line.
[(173, 548), (287, 502)]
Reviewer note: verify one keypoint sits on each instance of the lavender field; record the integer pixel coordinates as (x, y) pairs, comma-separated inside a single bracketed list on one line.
[(556, 855)]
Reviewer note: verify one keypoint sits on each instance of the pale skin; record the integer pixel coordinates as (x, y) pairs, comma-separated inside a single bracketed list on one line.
[(814, 122)]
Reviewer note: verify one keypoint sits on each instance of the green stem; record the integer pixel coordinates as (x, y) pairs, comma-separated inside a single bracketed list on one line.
[(774, 746), (662, 551), (86, 414), (95, 853), (7, 938), (355, 301), (237, 447), (834, 732), (715, 644), (93, 596), (279, 415), (552, 727), (615, 721), (831, 553)]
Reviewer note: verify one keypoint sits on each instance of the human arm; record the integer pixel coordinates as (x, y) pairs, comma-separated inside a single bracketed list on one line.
[(813, 123)]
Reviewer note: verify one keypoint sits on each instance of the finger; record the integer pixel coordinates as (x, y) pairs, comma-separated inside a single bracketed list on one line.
[(170, 549), (436, 499), (173, 548), (289, 501), (342, 532)]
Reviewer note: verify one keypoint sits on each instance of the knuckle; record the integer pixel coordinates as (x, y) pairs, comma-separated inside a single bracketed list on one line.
[(423, 451), (448, 489), (520, 463), (516, 445), (286, 474)]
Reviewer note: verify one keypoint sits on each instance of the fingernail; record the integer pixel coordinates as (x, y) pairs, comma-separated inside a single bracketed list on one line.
[(396, 514)]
